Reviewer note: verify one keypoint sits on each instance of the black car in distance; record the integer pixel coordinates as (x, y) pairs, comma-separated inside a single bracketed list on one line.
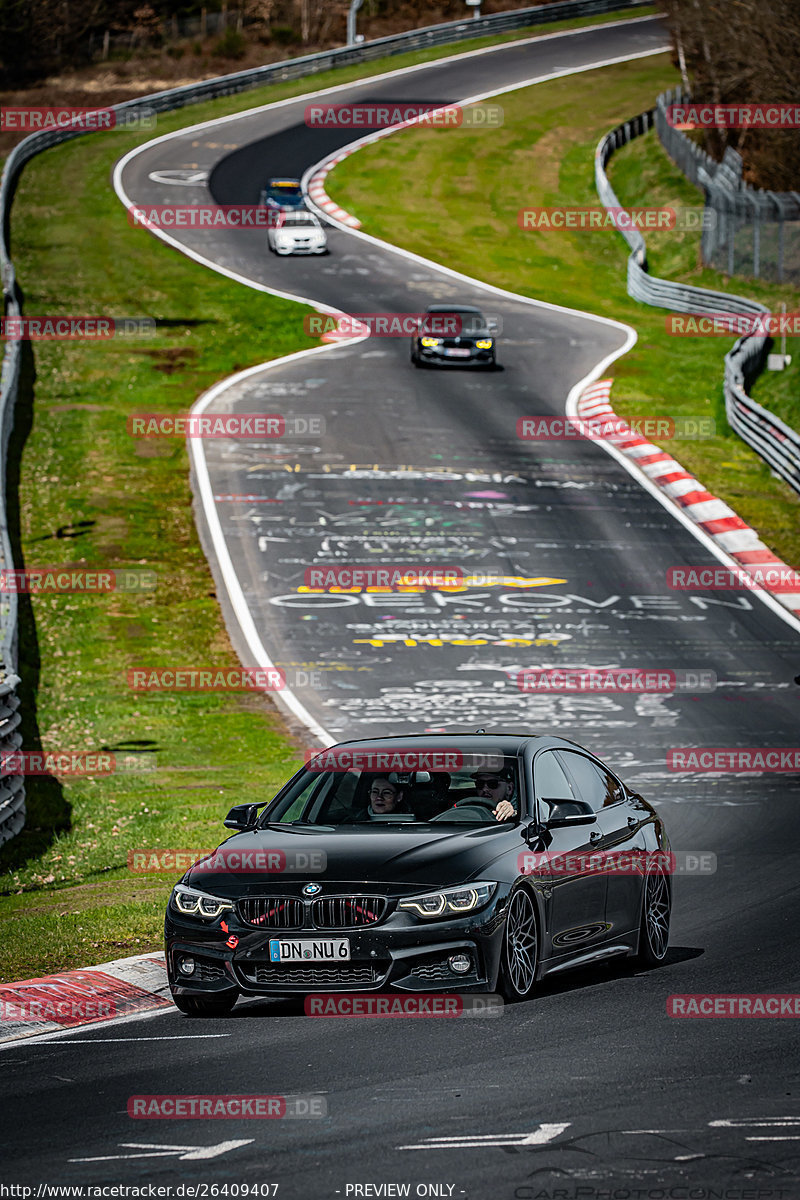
[(454, 335), (382, 866)]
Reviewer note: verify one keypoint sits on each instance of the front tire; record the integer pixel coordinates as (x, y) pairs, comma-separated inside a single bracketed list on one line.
[(520, 954), (654, 929), (206, 1006)]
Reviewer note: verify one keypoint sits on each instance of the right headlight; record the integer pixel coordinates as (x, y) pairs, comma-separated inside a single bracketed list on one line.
[(192, 903), (430, 342), (450, 902)]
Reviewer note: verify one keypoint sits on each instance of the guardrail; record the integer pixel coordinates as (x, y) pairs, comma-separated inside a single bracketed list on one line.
[(12, 795), (770, 437)]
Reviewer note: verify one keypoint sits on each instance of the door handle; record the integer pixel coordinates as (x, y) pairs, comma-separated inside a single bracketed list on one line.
[(595, 836), (632, 822)]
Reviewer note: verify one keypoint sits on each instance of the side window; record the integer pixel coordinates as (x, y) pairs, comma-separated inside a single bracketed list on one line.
[(295, 809), (593, 784), (549, 781)]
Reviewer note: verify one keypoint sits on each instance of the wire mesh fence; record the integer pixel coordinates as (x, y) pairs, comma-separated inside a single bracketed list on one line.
[(752, 232)]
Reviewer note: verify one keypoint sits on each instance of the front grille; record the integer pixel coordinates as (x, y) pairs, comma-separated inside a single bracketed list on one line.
[(347, 912), (272, 912), (277, 974)]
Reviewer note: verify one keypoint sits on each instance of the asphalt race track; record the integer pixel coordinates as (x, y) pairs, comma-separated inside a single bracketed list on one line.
[(591, 1086)]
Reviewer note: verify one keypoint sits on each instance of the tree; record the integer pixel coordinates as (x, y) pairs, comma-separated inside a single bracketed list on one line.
[(744, 52)]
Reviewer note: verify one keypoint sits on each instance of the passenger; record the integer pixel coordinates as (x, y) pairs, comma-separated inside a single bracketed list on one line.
[(497, 786), (385, 796)]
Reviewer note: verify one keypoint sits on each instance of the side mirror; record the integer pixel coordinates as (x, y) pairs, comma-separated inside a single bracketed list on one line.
[(532, 830), (564, 814), (492, 324), (241, 816)]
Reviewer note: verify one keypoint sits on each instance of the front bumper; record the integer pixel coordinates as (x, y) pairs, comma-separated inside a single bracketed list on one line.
[(397, 954), (435, 354), (302, 248)]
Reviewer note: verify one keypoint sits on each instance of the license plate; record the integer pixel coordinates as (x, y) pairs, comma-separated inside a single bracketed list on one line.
[(457, 353), (309, 950)]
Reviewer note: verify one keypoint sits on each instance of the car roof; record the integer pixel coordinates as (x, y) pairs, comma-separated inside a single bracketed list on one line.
[(451, 308), (506, 741)]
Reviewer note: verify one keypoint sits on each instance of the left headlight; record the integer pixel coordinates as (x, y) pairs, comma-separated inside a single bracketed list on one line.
[(430, 342), (484, 344), (451, 902), (192, 903)]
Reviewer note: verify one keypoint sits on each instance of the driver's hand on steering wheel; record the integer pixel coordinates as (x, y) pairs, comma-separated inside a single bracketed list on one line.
[(504, 810)]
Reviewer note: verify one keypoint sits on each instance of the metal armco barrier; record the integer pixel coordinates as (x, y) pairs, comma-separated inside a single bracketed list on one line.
[(12, 794), (12, 787), (770, 437)]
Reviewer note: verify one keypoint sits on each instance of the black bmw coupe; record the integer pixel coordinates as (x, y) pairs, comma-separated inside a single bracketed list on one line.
[(455, 335), (464, 863)]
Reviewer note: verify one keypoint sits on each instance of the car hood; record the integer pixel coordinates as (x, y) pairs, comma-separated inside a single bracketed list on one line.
[(296, 231), (393, 860)]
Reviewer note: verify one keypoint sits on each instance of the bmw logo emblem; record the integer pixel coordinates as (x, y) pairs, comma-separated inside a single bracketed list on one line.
[(311, 889)]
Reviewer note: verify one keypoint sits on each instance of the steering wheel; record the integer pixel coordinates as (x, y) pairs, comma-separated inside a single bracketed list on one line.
[(472, 800)]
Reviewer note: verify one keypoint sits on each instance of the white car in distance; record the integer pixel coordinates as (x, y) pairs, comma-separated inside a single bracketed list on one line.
[(297, 232)]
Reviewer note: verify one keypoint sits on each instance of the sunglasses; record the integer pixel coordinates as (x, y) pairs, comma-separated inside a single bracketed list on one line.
[(490, 783)]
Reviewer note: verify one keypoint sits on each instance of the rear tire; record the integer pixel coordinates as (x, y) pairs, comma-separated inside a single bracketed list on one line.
[(654, 929), (206, 1006), (519, 957)]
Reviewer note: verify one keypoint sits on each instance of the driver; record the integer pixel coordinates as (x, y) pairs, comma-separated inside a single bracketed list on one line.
[(499, 787)]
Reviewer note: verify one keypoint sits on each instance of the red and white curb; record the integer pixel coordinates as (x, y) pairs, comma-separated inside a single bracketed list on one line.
[(316, 190), (121, 988), (711, 514)]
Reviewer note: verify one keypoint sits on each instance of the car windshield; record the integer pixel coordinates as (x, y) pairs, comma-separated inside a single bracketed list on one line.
[(298, 219), (467, 794), (462, 320), (280, 190)]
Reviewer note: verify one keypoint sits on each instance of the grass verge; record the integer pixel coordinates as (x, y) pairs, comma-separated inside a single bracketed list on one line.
[(543, 156)]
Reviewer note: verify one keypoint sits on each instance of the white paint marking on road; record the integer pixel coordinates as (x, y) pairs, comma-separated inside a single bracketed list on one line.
[(752, 1122), (60, 1034), (118, 1157), (173, 1037), (185, 1153), (179, 177), (545, 1132)]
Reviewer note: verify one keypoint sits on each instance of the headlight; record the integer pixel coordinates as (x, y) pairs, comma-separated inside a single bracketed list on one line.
[(429, 342), (198, 904), (451, 902), (484, 344)]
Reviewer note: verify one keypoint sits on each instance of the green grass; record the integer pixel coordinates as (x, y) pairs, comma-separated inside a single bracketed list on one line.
[(543, 156), (779, 391)]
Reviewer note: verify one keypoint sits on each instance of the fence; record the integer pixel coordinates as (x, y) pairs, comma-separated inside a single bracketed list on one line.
[(754, 232), (770, 437), (12, 805)]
